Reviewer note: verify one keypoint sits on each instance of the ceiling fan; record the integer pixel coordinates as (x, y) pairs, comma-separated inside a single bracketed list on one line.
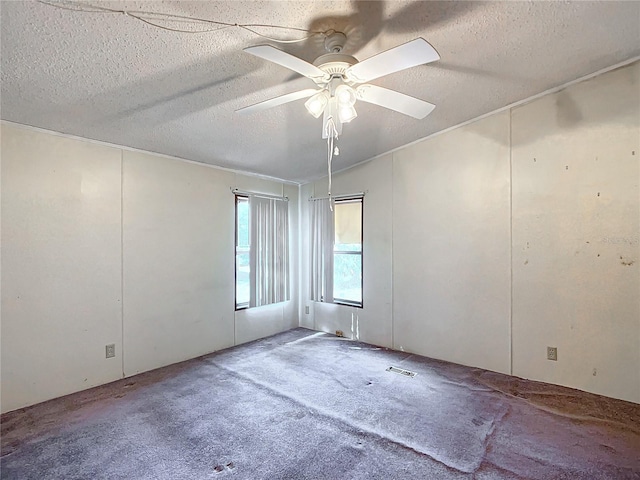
[(341, 80)]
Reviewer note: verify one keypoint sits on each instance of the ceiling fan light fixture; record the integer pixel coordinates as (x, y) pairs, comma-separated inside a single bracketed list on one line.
[(346, 95), (316, 104), (346, 113)]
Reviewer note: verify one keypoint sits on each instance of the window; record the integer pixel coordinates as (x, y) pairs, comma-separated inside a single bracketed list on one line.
[(335, 250), (243, 267), (347, 251), (262, 250)]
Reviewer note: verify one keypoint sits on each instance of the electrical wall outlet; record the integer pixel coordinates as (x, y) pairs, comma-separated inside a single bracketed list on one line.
[(306, 309), (552, 353), (110, 350)]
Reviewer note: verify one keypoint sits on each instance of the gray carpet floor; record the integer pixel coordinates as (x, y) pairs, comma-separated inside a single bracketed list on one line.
[(306, 405)]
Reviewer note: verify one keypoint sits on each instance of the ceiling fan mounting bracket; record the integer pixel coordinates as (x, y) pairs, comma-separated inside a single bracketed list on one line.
[(334, 42)]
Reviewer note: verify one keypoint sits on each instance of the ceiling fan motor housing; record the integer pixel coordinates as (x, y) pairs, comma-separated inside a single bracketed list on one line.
[(335, 64)]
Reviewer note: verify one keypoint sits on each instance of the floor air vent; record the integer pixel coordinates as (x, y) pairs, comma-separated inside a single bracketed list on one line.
[(401, 371)]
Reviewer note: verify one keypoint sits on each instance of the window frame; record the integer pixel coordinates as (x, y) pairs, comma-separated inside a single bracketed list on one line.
[(342, 301), (244, 305)]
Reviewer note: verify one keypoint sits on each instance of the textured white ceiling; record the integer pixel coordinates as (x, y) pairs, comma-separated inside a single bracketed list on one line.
[(110, 77)]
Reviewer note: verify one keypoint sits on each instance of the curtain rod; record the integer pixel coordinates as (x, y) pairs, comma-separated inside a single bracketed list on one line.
[(237, 191), (339, 197)]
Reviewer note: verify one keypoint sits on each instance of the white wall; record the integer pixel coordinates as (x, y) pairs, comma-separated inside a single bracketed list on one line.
[(451, 267), (105, 245), (178, 222), (61, 276), (495, 256), (576, 235), (305, 304)]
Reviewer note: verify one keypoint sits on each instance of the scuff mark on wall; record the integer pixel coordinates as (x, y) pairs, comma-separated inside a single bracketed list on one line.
[(626, 263)]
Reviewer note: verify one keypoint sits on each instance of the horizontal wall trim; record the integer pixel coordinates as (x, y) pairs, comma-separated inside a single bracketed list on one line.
[(493, 112), (290, 182), (139, 150)]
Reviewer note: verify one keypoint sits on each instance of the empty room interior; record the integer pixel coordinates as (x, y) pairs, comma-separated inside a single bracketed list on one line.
[(320, 240)]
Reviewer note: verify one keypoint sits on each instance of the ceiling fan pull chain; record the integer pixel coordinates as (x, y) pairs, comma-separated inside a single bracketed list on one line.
[(332, 134)]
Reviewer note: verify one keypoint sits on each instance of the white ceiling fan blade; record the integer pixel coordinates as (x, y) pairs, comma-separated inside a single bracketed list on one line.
[(288, 61), (274, 102), (415, 52), (414, 107)]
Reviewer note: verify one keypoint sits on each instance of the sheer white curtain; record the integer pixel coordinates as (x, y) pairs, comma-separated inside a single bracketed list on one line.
[(322, 237), (269, 257)]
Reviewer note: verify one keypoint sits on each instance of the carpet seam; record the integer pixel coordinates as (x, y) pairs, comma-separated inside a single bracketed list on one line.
[(342, 420)]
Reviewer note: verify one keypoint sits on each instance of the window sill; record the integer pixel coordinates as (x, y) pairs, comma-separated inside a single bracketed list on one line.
[(346, 303)]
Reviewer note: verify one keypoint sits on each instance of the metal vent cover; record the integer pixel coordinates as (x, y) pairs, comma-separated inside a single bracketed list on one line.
[(401, 371)]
